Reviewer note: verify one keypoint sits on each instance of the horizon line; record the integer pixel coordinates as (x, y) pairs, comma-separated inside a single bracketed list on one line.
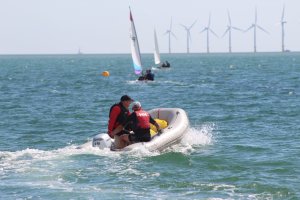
[(82, 54)]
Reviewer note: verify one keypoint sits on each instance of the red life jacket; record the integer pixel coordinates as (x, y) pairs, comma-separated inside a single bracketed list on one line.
[(122, 116), (143, 119)]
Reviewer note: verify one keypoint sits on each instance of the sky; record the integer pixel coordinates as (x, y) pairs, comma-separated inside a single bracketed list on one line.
[(102, 26)]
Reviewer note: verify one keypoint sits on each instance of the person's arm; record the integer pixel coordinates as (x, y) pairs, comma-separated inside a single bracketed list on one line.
[(113, 118), (152, 121), (116, 130), (121, 126)]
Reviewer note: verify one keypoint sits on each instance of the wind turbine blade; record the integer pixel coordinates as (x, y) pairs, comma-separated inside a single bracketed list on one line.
[(213, 33), (255, 15), (209, 20), (282, 17), (235, 28), (249, 28), (171, 25), (173, 35), (229, 19), (166, 32), (193, 24), (203, 30), (226, 32), (183, 26), (261, 28)]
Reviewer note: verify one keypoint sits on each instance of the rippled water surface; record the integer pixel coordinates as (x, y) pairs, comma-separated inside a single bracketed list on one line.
[(243, 143)]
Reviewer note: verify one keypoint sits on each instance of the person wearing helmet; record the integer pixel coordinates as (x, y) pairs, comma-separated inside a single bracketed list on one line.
[(139, 121)]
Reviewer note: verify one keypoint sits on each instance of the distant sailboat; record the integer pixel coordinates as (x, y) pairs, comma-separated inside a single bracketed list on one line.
[(136, 54), (79, 52), (157, 60), (135, 49)]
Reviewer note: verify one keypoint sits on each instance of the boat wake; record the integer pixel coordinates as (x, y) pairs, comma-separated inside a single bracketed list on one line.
[(62, 168), (194, 139)]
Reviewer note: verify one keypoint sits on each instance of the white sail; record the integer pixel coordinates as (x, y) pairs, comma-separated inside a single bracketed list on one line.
[(156, 50), (135, 49)]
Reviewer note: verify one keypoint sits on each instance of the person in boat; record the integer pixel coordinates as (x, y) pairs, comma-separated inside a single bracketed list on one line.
[(149, 76), (140, 121), (166, 64), (118, 114)]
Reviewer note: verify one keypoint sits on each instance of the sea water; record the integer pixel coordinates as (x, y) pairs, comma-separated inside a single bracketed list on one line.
[(243, 141)]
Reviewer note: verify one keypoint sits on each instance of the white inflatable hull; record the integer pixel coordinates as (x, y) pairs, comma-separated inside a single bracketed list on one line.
[(178, 125)]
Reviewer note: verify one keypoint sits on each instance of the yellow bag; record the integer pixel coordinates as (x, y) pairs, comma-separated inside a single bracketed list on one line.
[(162, 124)]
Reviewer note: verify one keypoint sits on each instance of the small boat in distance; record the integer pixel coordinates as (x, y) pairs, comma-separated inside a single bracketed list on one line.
[(157, 60), (79, 51)]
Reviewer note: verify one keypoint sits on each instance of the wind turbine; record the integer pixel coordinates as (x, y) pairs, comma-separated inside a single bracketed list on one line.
[(169, 32), (208, 30), (282, 29), (255, 26), (228, 30), (188, 36)]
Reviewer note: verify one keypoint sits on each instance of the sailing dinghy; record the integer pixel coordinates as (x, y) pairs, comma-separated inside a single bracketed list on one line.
[(136, 54), (135, 49), (157, 60)]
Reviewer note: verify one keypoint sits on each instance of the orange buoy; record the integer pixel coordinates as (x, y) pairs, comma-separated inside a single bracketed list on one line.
[(105, 73)]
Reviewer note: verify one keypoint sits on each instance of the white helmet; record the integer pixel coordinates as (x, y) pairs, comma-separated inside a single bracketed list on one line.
[(136, 105)]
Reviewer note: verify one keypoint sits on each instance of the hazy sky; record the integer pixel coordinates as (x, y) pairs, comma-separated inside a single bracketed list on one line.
[(102, 26)]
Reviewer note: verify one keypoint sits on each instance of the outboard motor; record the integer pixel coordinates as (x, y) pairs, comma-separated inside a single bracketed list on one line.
[(102, 141)]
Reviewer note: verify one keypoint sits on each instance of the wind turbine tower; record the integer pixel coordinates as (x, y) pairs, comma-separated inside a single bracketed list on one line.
[(208, 30), (188, 36), (282, 30), (228, 30), (255, 26), (169, 32)]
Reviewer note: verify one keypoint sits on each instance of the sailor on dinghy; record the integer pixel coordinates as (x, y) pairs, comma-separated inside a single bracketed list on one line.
[(149, 76), (165, 64)]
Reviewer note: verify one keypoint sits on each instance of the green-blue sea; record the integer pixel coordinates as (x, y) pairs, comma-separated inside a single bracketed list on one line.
[(243, 141)]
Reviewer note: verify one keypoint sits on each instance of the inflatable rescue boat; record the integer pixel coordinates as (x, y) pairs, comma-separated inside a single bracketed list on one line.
[(173, 121)]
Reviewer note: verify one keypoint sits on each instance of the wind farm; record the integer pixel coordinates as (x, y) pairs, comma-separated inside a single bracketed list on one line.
[(230, 28)]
